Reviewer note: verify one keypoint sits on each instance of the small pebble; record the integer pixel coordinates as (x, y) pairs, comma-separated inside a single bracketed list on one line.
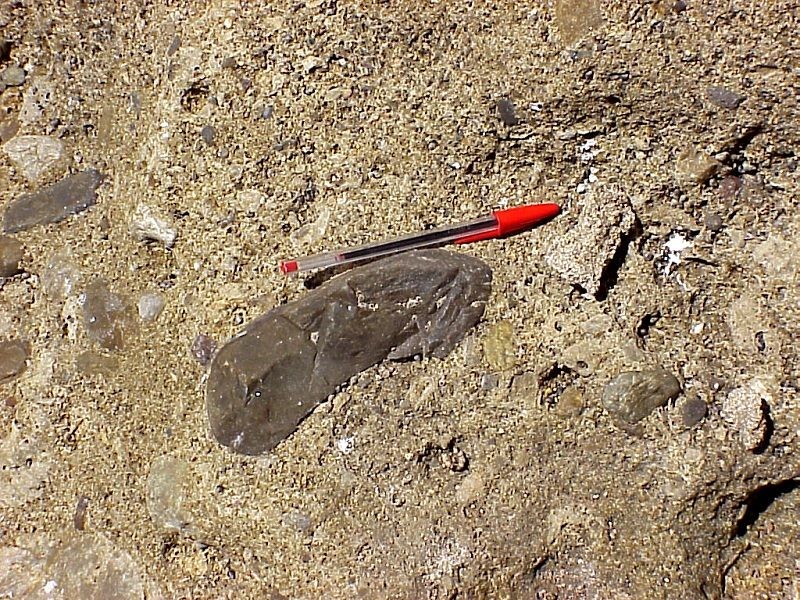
[(60, 276), (203, 349), (489, 381), (267, 112), (208, 133), (507, 112), (53, 203), (14, 355), (104, 315), (10, 256), (500, 347), (34, 155), (13, 75), (79, 517), (633, 395), (696, 167), (168, 484), (148, 226), (570, 402), (713, 221), (724, 98), (150, 305), (693, 411)]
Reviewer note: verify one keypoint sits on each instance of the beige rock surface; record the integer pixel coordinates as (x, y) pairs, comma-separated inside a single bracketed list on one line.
[(339, 123)]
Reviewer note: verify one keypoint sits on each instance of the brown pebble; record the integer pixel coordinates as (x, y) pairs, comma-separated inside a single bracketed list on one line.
[(79, 518), (203, 349), (14, 355), (729, 188), (10, 256)]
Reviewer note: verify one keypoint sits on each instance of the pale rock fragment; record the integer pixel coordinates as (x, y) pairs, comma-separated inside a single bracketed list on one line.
[(745, 411), (167, 488), (147, 225), (585, 254), (34, 155)]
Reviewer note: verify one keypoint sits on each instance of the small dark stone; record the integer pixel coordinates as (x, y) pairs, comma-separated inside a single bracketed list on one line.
[(208, 133), (507, 112), (633, 395), (203, 349), (724, 98), (14, 355), (713, 221), (268, 378), (79, 518), (694, 410), (174, 45), (10, 256), (267, 112), (229, 62), (53, 203), (5, 50)]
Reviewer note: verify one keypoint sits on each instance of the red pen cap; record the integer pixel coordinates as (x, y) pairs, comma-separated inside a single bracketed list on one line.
[(514, 220)]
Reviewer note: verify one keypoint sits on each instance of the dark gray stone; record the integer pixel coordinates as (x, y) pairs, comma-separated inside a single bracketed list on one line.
[(265, 381), (507, 112), (53, 203), (633, 395), (724, 98)]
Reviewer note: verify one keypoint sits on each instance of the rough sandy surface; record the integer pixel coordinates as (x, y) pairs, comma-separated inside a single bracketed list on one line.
[(667, 131)]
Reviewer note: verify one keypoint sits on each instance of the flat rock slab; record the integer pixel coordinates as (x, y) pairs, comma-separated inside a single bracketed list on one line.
[(53, 203), (267, 379)]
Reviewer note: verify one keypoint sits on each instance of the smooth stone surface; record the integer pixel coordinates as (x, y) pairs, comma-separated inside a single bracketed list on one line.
[(633, 395), (268, 378), (500, 347), (104, 315), (150, 305), (10, 256), (13, 359), (167, 487), (13, 75), (53, 203)]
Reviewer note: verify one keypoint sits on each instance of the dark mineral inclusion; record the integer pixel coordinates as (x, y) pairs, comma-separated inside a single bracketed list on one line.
[(265, 380)]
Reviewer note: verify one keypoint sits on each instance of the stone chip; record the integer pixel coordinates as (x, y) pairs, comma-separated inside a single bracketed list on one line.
[(267, 379)]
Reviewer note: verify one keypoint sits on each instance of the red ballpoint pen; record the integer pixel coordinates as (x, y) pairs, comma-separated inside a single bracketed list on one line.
[(498, 224)]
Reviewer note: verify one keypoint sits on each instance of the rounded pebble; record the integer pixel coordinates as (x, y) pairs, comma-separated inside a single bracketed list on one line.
[(633, 395), (693, 411), (208, 133), (13, 76)]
